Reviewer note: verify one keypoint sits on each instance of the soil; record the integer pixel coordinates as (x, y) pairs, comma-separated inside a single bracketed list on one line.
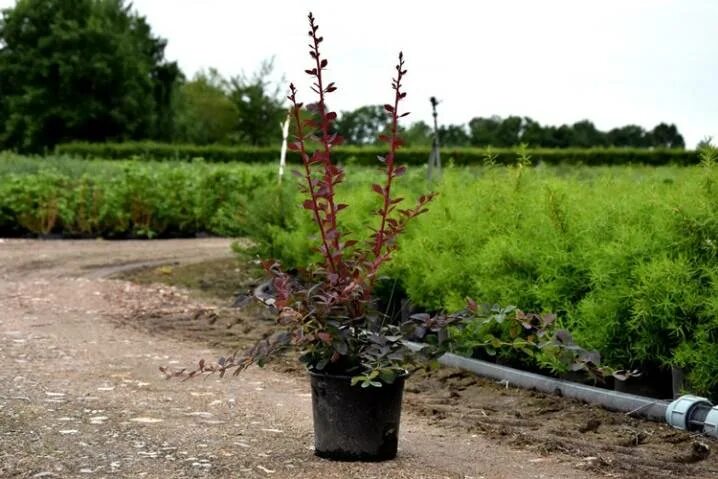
[(81, 394)]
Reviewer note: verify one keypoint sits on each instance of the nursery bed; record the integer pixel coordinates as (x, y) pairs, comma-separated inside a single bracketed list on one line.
[(604, 441)]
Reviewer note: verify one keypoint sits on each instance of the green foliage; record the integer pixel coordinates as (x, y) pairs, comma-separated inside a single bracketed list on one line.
[(526, 340), (259, 106), (453, 136), (36, 205), (81, 70), (626, 256), (418, 134), (366, 155), (203, 112), (513, 130), (128, 199), (363, 125)]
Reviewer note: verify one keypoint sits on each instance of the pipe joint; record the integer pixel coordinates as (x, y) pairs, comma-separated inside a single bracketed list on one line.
[(680, 413)]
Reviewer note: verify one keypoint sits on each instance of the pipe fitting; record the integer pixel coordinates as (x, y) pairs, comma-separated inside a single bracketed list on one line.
[(710, 424), (679, 413)]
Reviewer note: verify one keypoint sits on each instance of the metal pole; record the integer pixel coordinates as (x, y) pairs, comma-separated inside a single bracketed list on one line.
[(435, 155)]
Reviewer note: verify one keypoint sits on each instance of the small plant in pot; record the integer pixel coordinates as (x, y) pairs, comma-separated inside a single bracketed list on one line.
[(356, 360)]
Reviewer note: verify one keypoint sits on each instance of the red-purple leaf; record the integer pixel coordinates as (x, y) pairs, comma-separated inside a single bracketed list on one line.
[(324, 63), (331, 116), (389, 108), (471, 305), (378, 189), (400, 170), (308, 204)]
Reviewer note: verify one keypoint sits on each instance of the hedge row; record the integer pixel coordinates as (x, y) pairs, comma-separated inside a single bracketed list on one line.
[(367, 155)]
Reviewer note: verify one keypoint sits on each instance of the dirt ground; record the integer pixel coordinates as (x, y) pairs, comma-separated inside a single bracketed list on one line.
[(81, 394)]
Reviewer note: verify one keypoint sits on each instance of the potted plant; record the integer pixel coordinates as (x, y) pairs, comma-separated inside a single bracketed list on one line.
[(356, 360)]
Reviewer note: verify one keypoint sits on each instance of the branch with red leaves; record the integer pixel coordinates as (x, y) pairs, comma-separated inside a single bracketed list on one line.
[(332, 322), (320, 188), (383, 240)]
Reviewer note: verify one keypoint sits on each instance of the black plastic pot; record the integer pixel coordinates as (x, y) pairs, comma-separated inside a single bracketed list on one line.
[(352, 423)]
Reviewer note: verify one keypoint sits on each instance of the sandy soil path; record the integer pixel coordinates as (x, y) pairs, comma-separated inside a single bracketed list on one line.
[(82, 397)]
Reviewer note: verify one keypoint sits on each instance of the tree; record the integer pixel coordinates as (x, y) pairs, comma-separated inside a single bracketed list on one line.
[(259, 107), (629, 135), (453, 135), (203, 111), (509, 132), (483, 131), (418, 134), (81, 69), (533, 134), (666, 136), (562, 137), (586, 135), (363, 125)]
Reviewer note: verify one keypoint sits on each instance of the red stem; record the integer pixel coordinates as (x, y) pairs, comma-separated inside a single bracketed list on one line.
[(380, 235), (308, 176), (329, 170)]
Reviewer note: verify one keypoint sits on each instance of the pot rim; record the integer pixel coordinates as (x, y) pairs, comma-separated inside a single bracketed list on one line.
[(321, 374)]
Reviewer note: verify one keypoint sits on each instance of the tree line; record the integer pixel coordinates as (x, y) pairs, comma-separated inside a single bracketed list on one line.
[(362, 126), (92, 70)]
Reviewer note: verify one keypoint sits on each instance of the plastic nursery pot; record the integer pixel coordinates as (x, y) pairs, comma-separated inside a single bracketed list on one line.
[(352, 423)]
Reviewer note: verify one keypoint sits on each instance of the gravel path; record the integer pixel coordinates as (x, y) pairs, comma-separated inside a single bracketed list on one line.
[(82, 397)]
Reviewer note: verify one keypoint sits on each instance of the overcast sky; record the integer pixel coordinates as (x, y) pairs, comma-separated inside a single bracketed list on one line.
[(614, 62)]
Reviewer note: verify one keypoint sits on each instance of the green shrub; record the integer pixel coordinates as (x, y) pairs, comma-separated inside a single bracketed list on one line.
[(366, 155), (36, 205), (126, 199)]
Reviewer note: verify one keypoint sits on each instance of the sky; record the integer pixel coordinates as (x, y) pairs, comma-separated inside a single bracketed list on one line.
[(614, 62)]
